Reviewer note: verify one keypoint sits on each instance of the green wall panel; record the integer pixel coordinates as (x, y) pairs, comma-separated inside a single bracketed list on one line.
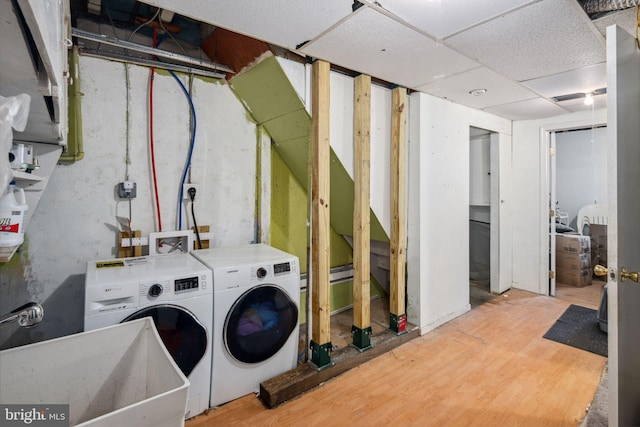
[(266, 91), (291, 126), (289, 208)]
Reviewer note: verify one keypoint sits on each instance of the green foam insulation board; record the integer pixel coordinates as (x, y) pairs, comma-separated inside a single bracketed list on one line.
[(289, 233), (268, 94), (289, 217)]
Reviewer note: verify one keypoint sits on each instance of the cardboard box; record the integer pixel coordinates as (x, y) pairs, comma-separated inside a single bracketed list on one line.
[(598, 236), (575, 243), (578, 279), (570, 262)]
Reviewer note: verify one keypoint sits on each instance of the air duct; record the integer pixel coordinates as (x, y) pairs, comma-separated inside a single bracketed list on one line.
[(603, 6)]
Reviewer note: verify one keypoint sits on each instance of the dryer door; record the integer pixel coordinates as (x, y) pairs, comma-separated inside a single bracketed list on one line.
[(259, 323), (181, 332)]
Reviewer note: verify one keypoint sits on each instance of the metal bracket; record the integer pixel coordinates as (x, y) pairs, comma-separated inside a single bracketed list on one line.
[(398, 323), (321, 355), (361, 338)]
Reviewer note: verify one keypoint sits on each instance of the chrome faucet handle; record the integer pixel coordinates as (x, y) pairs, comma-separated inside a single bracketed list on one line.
[(27, 315)]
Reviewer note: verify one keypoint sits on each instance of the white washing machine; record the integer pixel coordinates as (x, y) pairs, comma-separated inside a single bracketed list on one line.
[(176, 291), (256, 299)]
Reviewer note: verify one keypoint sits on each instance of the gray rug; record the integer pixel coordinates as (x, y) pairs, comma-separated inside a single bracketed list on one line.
[(578, 327)]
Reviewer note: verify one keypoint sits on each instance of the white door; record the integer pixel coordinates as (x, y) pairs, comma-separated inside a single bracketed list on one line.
[(500, 242), (623, 109), (553, 200)]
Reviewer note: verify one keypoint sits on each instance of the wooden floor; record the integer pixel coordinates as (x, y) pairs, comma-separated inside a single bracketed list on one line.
[(589, 296), (489, 367)]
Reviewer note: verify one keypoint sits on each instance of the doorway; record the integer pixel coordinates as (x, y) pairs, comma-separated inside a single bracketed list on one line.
[(577, 181), (576, 186), (482, 230)]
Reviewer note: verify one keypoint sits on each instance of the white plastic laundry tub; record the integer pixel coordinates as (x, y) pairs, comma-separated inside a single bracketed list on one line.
[(121, 375)]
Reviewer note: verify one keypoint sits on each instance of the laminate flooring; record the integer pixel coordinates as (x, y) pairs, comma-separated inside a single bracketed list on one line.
[(488, 367)]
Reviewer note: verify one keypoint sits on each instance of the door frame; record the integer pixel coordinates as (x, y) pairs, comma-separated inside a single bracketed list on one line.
[(597, 119), (500, 231)]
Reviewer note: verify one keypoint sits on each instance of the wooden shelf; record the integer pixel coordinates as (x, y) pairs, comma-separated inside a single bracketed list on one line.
[(28, 177)]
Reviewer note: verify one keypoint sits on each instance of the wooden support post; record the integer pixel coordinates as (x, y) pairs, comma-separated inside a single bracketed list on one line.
[(397, 315), (361, 329), (320, 227)]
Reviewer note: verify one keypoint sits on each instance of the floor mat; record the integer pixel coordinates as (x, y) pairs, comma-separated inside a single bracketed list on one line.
[(578, 327)]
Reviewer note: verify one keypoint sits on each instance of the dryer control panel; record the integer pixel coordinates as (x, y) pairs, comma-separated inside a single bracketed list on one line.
[(282, 268)]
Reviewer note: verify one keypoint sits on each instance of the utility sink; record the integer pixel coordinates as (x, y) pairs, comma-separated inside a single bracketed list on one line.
[(116, 376)]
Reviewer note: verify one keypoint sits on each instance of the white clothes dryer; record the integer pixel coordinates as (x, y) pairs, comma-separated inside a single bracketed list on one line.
[(176, 291), (256, 299)]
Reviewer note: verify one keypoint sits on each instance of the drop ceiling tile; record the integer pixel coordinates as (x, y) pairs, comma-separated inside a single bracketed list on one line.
[(499, 89), (538, 108), (624, 18), (442, 18), (372, 43), (282, 22), (544, 38), (583, 80)]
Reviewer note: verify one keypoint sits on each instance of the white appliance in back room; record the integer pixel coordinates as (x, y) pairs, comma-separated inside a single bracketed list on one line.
[(176, 291), (256, 301)]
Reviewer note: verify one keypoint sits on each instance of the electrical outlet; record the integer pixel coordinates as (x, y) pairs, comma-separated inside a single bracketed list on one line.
[(127, 190), (185, 191)]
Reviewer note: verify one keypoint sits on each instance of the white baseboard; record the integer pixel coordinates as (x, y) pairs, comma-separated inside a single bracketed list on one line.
[(444, 319)]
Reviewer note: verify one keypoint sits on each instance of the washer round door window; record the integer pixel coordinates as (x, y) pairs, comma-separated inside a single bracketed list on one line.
[(182, 334), (259, 324)]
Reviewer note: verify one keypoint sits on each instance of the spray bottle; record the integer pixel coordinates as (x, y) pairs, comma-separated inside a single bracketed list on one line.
[(13, 212)]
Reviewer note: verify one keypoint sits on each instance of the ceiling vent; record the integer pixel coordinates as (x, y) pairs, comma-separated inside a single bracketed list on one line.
[(595, 8), (572, 96)]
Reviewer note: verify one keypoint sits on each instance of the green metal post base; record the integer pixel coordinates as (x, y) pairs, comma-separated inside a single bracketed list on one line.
[(361, 338), (321, 355), (398, 323)]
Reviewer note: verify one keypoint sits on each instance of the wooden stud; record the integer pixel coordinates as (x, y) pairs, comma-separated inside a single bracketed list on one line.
[(205, 243), (320, 227), (126, 251), (398, 210), (361, 217)]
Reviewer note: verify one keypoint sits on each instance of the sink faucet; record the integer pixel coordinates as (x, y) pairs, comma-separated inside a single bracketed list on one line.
[(28, 315)]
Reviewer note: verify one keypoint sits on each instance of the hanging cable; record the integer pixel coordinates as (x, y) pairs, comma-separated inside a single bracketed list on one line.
[(155, 15), (127, 159), (168, 33), (637, 25), (130, 230), (192, 196), (151, 140), (193, 140)]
